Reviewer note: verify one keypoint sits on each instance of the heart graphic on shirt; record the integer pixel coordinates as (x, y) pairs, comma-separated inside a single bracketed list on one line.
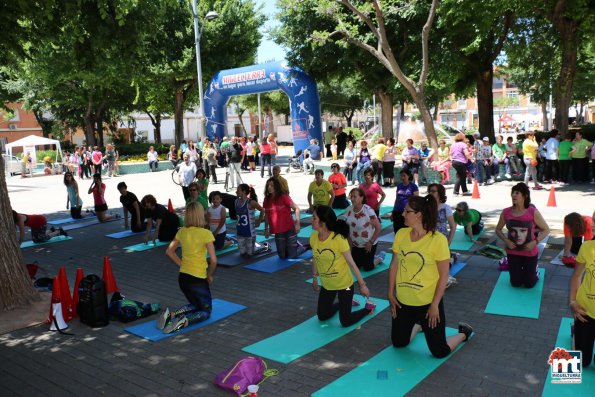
[(411, 270), (325, 258)]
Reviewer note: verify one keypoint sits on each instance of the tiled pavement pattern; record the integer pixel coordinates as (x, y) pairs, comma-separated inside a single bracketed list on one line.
[(507, 356)]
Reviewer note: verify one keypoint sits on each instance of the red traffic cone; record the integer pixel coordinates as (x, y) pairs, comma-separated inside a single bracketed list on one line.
[(475, 194), (65, 297), (551, 201), (75, 291), (170, 207), (55, 318), (108, 276)]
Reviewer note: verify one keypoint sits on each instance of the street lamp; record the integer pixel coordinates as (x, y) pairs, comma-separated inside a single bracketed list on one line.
[(197, 33)]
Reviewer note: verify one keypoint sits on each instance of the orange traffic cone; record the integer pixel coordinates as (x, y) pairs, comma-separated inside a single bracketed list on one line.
[(65, 296), (108, 276), (75, 292), (170, 207), (551, 201), (55, 318), (475, 194)]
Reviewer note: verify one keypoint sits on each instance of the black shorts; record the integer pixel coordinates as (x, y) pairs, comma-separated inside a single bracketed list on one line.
[(101, 208), (220, 240), (75, 212), (251, 159), (39, 235)]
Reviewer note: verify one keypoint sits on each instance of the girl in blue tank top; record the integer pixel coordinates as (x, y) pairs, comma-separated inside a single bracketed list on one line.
[(246, 204)]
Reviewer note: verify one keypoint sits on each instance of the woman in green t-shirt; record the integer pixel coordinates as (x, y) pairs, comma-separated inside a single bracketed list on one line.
[(564, 160), (332, 261), (469, 218)]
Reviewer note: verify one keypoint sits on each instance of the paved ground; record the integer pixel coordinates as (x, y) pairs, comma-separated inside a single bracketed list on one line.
[(506, 357)]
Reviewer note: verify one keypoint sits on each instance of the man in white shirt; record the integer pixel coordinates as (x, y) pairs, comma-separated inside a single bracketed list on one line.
[(551, 157)]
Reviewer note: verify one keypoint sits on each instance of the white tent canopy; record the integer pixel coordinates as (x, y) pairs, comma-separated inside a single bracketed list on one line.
[(34, 140)]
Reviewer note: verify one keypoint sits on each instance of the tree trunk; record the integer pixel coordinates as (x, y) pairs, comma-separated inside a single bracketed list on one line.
[(90, 130), (349, 117), (485, 102), (568, 30), (428, 122), (157, 125), (435, 114), (179, 116), (386, 113), (17, 289), (581, 115), (546, 121), (240, 114), (100, 130)]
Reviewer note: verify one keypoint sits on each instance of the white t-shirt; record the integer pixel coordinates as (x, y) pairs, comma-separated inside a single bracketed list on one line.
[(152, 156), (360, 227), (215, 218), (187, 173), (551, 149)]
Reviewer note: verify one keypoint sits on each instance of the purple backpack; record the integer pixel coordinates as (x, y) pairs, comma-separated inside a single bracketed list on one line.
[(248, 371)]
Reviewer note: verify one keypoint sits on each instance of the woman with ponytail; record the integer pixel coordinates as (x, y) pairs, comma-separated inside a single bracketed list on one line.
[(245, 205), (417, 280), (332, 261)]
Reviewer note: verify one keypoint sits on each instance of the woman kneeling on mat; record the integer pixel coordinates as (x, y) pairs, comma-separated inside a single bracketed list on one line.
[(279, 222), (577, 228), (38, 225), (522, 220), (470, 219), (582, 290), (332, 261), (166, 223), (417, 280), (195, 277)]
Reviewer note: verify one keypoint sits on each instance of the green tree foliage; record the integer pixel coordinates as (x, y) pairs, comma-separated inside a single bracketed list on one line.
[(343, 97)]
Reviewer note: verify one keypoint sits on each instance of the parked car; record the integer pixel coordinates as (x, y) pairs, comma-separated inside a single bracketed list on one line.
[(12, 165)]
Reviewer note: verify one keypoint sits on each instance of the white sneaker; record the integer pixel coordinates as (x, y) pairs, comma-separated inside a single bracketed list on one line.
[(507, 176), (451, 281)]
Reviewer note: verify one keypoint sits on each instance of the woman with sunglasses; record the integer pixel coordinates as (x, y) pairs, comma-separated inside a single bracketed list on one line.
[(196, 197), (405, 190), (73, 199), (186, 174), (339, 183), (470, 219), (417, 279)]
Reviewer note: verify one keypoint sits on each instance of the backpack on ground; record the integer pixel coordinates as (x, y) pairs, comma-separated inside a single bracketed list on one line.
[(492, 251), (248, 371), (92, 306)]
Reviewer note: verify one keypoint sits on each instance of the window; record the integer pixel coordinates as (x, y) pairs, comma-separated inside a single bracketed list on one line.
[(497, 83), (512, 94)]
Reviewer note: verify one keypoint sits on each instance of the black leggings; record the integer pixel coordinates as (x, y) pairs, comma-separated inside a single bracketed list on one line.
[(564, 170), (461, 177), (364, 260), (398, 220), (407, 316), (584, 337), (340, 202), (522, 270), (327, 307)]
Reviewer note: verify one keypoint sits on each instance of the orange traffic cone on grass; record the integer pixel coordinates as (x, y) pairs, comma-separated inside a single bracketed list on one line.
[(65, 296), (475, 194), (551, 201), (170, 207), (55, 317), (108, 276), (75, 291)]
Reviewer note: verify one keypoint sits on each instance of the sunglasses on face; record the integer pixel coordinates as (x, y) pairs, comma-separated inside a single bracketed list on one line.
[(433, 191), (192, 190), (460, 210)]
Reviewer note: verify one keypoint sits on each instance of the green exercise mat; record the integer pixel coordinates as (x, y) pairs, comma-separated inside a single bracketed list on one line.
[(587, 385), (392, 372), (461, 241), (140, 247), (55, 239), (308, 336), (377, 269), (507, 300)]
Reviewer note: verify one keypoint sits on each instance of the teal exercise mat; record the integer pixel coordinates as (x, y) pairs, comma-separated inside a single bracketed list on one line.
[(308, 336), (140, 247), (70, 220), (123, 234), (387, 238), (221, 310), (56, 239), (541, 246), (273, 263), (507, 300), (587, 385), (365, 274), (461, 241), (392, 372)]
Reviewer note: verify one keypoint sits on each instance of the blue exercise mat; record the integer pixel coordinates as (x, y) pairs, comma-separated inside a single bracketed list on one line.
[(507, 300), (461, 241), (387, 238), (457, 267), (274, 264), (124, 234), (57, 239), (587, 385), (140, 247), (392, 372), (70, 220), (365, 274), (308, 336), (221, 310)]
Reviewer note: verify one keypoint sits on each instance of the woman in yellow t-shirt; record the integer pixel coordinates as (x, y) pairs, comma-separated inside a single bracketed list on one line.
[(417, 280), (195, 276), (530, 158), (582, 301), (332, 261)]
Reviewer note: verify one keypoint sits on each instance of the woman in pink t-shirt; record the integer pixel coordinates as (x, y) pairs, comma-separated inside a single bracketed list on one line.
[(522, 221), (98, 190), (372, 191), (273, 143), (265, 157), (279, 221)]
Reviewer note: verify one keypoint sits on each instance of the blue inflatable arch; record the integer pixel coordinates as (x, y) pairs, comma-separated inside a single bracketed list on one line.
[(301, 89)]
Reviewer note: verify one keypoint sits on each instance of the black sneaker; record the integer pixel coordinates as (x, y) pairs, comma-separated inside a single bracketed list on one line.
[(466, 329), (63, 233), (52, 229)]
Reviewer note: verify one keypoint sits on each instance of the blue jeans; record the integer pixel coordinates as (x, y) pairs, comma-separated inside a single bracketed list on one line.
[(359, 170)]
